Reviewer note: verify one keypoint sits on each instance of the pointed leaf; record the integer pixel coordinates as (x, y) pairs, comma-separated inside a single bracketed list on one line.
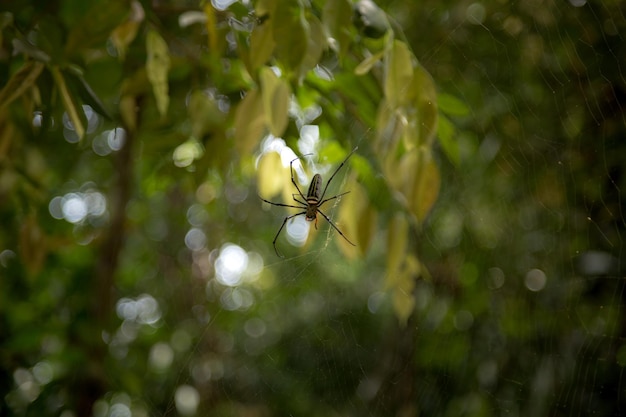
[(427, 188), (315, 47), (402, 298), (157, 68), (426, 101), (74, 111), (452, 105), (125, 32), (366, 65), (398, 74), (446, 132), (397, 241), (261, 45), (291, 33), (78, 82)]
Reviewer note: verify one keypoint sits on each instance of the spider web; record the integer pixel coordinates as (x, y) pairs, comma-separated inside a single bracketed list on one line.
[(524, 310)]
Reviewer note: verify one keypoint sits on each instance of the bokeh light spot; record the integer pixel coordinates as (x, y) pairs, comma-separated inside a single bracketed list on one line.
[(231, 264), (187, 400), (535, 280)]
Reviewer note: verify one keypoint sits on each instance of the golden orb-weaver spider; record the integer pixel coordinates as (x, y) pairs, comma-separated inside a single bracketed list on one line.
[(311, 203)]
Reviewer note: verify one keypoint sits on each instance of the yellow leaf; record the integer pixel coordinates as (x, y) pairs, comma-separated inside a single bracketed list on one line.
[(249, 122), (357, 219), (157, 68), (128, 112), (426, 102), (427, 188), (397, 241), (402, 298), (21, 81), (276, 96), (126, 32), (398, 74), (68, 102), (366, 65), (270, 175)]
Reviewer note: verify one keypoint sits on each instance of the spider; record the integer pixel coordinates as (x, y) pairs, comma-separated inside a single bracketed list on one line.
[(312, 202)]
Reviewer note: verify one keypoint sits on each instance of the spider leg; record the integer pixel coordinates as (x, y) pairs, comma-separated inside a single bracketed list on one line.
[(281, 229), (301, 202), (332, 198), (335, 227), (283, 205), (294, 181), (334, 173)]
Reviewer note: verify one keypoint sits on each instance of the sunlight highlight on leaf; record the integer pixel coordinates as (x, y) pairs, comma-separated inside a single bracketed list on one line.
[(270, 174)]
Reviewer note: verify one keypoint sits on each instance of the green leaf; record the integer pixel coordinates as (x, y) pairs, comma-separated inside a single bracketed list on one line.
[(337, 18), (95, 27), (157, 68), (77, 80), (261, 45), (446, 131), (426, 102), (74, 111), (316, 45), (291, 33), (20, 82), (398, 74), (452, 105), (276, 96)]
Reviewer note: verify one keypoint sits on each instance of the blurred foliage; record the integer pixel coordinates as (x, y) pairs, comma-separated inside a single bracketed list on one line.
[(137, 273)]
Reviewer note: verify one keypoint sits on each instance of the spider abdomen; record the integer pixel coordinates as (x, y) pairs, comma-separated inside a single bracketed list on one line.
[(315, 188)]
